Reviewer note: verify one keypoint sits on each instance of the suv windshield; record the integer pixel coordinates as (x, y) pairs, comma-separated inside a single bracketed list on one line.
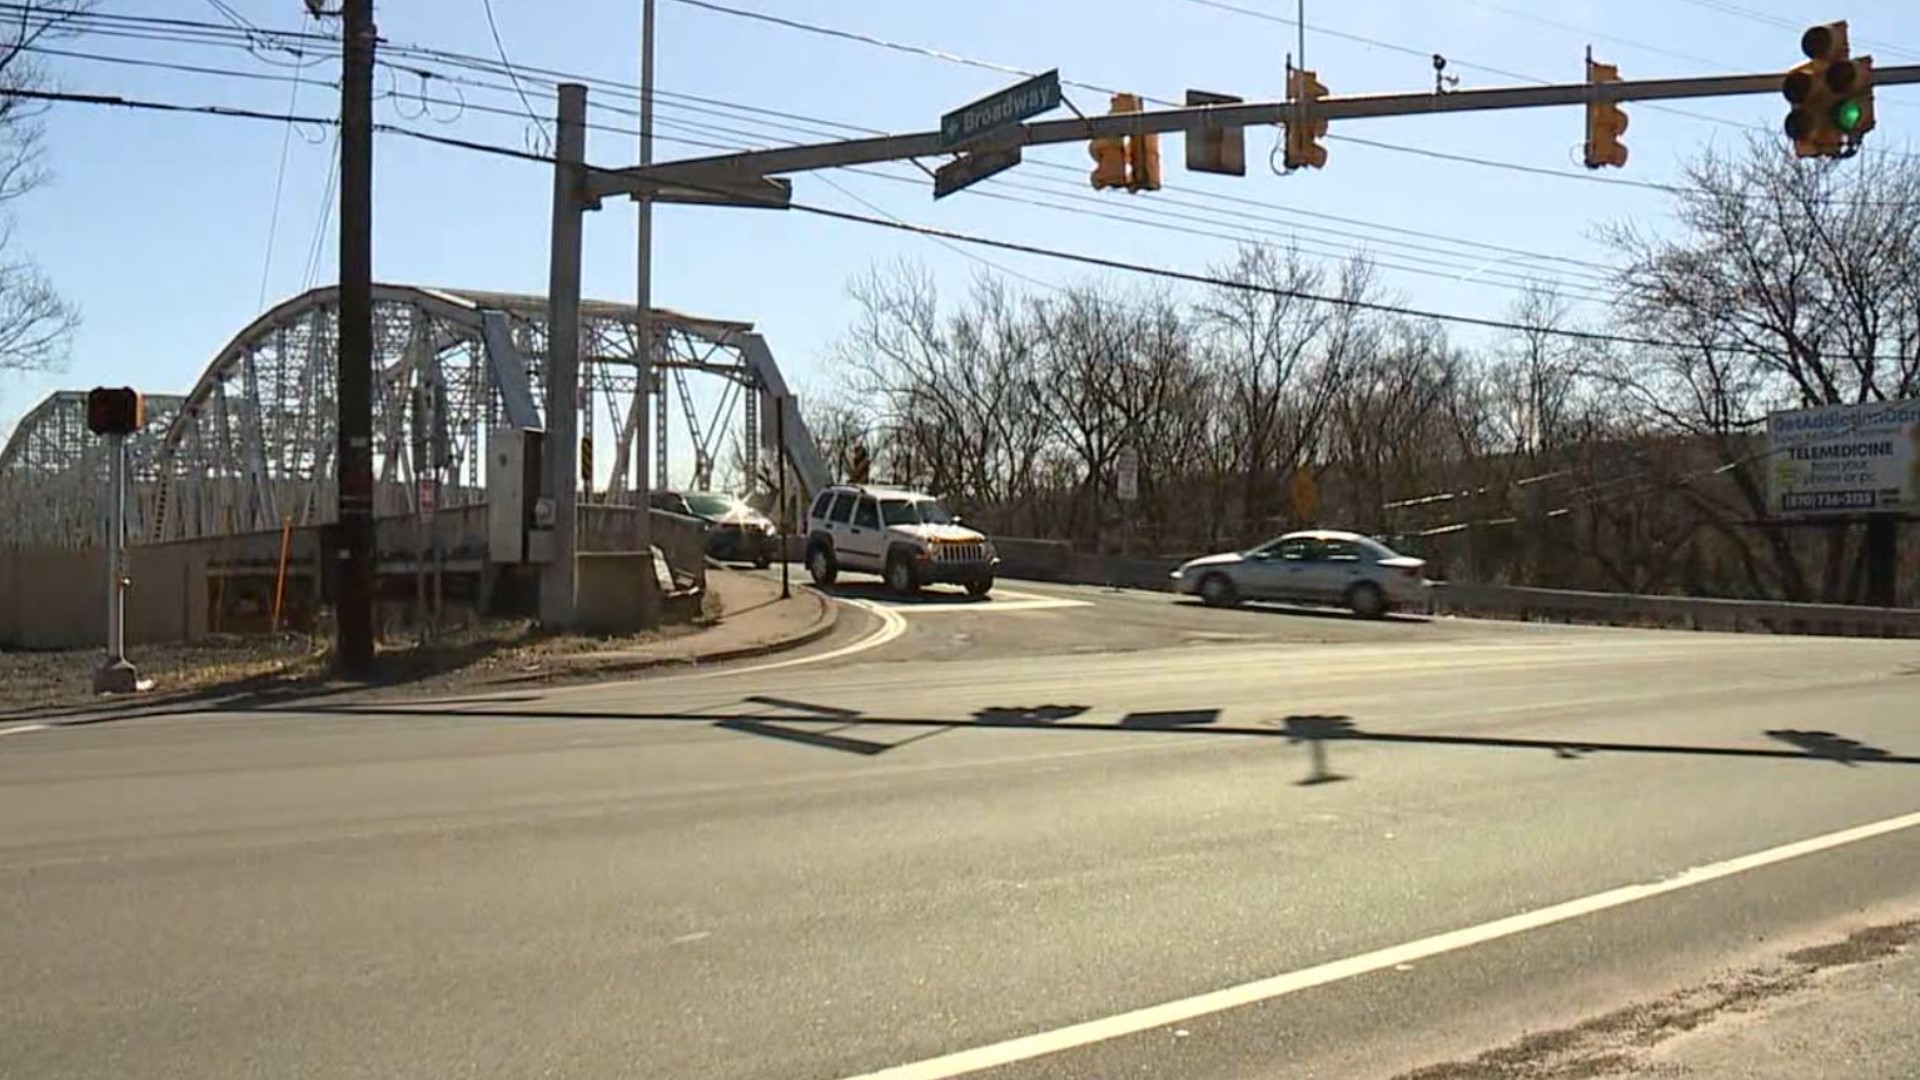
[(709, 504), (914, 512)]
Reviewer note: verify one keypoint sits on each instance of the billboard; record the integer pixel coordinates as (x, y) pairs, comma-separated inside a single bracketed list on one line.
[(1845, 459)]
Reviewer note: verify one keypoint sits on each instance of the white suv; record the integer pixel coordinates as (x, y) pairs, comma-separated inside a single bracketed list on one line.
[(906, 537)]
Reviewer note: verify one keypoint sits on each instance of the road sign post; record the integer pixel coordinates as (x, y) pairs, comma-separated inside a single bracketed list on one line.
[(116, 675)]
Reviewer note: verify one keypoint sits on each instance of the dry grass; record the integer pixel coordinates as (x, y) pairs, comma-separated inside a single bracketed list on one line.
[(497, 650)]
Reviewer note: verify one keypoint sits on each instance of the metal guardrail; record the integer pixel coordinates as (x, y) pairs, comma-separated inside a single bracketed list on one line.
[(1690, 611)]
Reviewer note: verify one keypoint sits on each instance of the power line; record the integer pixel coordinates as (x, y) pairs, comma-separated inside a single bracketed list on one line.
[(279, 180), (1081, 258), (494, 29), (1517, 254), (1379, 227)]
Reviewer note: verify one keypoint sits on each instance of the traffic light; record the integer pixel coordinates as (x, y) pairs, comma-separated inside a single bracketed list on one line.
[(1110, 162), (1606, 121), (1143, 162), (1831, 94), (1303, 136), (1128, 161), (115, 411)]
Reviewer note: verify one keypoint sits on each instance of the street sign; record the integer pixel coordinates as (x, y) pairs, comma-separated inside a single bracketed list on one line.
[(969, 169), (1004, 109), (1216, 149), (429, 495), (1126, 468)]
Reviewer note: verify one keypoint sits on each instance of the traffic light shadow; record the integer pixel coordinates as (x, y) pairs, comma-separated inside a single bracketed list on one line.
[(1316, 731)]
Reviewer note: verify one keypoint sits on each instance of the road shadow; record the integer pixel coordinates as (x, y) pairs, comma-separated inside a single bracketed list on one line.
[(1310, 729), (1276, 607), (929, 595)]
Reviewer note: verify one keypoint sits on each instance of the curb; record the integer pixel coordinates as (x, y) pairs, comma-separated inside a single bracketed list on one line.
[(823, 624)]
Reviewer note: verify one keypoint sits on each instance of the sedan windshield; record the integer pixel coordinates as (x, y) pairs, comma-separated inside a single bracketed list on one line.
[(708, 504)]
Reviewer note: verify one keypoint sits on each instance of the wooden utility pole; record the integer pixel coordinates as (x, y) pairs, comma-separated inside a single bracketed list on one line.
[(354, 390)]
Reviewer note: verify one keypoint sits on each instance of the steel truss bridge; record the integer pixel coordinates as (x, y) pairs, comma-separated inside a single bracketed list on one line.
[(252, 446)]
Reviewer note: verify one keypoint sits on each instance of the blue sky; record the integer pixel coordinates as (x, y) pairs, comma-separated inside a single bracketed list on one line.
[(158, 225)]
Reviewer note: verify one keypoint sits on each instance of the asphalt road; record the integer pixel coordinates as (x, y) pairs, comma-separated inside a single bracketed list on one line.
[(950, 827)]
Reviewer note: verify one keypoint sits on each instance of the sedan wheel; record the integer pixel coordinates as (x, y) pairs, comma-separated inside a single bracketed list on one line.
[(1367, 600), (1218, 591)]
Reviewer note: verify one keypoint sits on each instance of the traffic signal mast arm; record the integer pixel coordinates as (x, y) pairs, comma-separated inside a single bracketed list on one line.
[(732, 170)]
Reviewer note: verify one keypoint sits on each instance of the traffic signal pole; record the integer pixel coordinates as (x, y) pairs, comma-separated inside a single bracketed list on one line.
[(732, 173), (560, 450), (644, 368)]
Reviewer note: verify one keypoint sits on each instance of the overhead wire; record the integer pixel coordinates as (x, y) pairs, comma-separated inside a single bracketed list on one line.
[(1155, 209), (1082, 258), (1452, 61), (501, 48), (279, 180)]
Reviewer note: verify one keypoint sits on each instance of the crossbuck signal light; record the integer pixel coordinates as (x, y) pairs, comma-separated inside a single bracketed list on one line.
[(1606, 121), (115, 410), (1304, 133)]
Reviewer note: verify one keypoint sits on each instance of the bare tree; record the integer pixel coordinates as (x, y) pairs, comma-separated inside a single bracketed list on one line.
[(1788, 283), (36, 325)]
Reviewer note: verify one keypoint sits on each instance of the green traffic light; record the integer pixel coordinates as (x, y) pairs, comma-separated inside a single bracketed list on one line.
[(1846, 116)]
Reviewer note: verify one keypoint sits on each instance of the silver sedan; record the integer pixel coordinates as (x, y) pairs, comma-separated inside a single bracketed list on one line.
[(1316, 567)]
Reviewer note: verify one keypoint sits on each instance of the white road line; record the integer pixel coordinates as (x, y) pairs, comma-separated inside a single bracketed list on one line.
[(24, 729), (892, 625), (1029, 1047)]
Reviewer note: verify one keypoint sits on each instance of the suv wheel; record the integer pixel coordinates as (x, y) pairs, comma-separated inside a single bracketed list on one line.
[(901, 577), (821, 565)]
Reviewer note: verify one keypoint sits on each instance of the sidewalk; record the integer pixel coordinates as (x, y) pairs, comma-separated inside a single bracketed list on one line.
[(753, 621)]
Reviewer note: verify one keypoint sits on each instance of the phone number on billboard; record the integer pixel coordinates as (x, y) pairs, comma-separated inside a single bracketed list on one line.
[(1828, 500)]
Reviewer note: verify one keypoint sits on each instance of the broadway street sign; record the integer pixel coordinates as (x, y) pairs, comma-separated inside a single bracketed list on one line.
[(1004, 109)]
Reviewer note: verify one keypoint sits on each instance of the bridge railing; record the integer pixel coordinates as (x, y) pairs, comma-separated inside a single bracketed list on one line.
[(1052, 560)]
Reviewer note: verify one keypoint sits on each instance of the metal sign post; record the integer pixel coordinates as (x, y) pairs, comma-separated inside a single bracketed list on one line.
[(115, 674), (786, 526)]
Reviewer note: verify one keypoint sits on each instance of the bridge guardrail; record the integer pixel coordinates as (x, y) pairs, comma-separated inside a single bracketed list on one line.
[(1694, 612)]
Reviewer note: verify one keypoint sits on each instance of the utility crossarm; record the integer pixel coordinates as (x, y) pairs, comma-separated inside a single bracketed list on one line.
[(731, 170)]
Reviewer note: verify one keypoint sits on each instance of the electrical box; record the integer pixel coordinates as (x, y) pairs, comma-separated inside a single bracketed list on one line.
[(513, 490)]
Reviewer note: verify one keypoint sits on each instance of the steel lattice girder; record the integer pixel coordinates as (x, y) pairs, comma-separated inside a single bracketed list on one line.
[(253, 443), (53, 474)]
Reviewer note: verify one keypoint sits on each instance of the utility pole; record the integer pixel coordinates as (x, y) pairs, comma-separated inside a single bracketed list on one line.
[(354, 391), (643, 314), (561, 450)]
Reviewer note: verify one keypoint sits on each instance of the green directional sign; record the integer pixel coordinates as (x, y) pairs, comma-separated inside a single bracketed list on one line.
[(1011, 106)]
